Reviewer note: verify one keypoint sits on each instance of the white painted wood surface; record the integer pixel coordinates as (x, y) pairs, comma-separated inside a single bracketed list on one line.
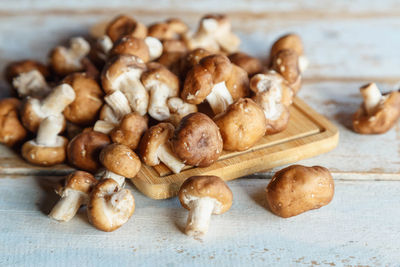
[(348, 43)]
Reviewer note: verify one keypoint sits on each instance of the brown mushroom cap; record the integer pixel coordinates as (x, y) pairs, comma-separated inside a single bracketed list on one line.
[(206, 186), (171, 29), (11, 129), (110, 217), (130, 130), (88, 100), (197, 140), (382, 120), (238, 83), (288, 41), (154, 137), (120, 159), (296, 189), (124, 25), (241, 125), (191, 59), (203, 76), (16, 68), (117, 66), (84, 149), (45, 155), (250, 64), (285, 62), (130, 45), (157, 72), (80, 181)]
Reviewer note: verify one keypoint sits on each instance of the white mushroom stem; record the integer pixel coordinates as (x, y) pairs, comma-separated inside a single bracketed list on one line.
[(303, 63), (58, 99), (118, 103), (79, 48), (166, 156), (105, 45), (199, 216), (31, 83), (155, 47), (220, 98), (179, 109), (104, 127), (159, 94), (68, 205), (48, 131), (116, 177), (372, 97)]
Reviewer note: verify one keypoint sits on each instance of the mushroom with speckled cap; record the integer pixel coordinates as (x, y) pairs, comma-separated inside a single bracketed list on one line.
[(130, 130), (110, 206), (378, 113), (203, 196), (120, 162), (285, 62), (155, 147), (11, 129), (251, 65), (197, 140), (48, 148), (74, 194)]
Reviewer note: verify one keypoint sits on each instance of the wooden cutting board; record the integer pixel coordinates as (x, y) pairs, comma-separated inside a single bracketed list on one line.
[(308, 134)]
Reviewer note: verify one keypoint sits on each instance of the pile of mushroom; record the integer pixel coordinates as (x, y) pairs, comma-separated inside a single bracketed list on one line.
[(131, 94)]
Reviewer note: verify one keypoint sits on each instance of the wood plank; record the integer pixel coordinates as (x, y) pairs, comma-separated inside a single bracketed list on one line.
[(363, 218)]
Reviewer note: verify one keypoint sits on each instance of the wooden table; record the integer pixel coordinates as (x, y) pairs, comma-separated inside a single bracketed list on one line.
[(348, 43)]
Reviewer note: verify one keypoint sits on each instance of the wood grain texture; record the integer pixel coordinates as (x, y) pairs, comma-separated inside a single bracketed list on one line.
[(354, 229)]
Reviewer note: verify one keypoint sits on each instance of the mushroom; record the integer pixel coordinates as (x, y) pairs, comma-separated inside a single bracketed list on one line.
[(203, 196), (378, 113), (84, 149), (294, 42), (11, 129), (123, 25), (190, 60), (285, 62), (120, 162), (155, 147), (197, 140), (242, 125), (179, 109), (110, 206), (130, 130), (162, 84), (16, 68), (65, 60), (88, 101), (170, 29), (238, 83), (214, 34), (207, 80), (74, 194), (35, 110), (250, 64), (48, 148), (123, 73), (31, 83), (130, 45), (297, 189)]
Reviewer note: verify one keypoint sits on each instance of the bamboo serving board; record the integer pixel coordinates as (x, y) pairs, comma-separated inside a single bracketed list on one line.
[(308, 134)]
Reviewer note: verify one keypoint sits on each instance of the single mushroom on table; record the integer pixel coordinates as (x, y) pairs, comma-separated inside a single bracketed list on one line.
[(274, 96), (179, 109), (285, 62), (203, 196), (11, 130), (214, 34), (155, 147), (207, 81), (120, 162), (88, 101), (250, 64), (242, 125), (197, 140), (297, 189), (162, 84), (74, 194), (130, 130), (110, 206), (84, 149), (378, 113), (294, 42), (48, 148), (65, 60), (122, 73), (35, 110)]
